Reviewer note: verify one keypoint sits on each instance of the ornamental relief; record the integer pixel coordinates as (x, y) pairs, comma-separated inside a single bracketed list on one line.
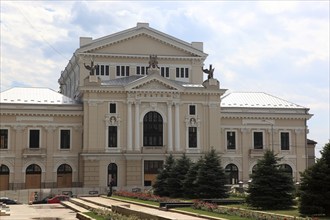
[(112, 120), (154, 85)]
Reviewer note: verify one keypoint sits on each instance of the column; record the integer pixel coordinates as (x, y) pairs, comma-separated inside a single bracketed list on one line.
[(169, 127), (129, 126), (137, 125), (177, 127)]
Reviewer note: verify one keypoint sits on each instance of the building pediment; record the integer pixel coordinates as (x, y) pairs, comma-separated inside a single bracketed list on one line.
[(133, 41), (154, 82)]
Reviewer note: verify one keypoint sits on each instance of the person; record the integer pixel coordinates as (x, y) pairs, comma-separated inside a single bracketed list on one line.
[(111, 183)]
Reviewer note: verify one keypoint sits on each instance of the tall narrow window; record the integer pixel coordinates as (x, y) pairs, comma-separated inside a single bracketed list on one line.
[(192, 137), (65, 139), (258, 140), (192, 109), (285, 141), (3, 138), (165, 72), (122, 70), (112, 108), (152, 129), (231, 140), (34, 141), (112, 136), (151, 169)]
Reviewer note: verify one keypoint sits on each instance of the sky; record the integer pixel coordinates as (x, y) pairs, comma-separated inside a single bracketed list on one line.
[(280, 48)]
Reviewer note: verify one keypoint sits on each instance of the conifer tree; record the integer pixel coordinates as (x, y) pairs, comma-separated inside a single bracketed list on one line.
[(211, 178), (177, 176), (160, 185), (315, 186), (271, 186), (190, 184)]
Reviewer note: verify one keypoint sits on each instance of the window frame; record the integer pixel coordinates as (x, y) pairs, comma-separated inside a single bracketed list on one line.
[(115, 106), (60, 138), (102, 70), (165, 71), (153, 139), (255, 147), (114, 136), (6, 139), (182, 72), (29, 138), (192, 107), (233, 146), (192, 137), (287, 142), (122, 70)]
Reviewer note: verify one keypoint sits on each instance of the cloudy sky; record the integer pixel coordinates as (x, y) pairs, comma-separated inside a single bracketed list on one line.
[(281, 48)]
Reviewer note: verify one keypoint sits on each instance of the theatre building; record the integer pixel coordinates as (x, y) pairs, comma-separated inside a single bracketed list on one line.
[(128, 100)]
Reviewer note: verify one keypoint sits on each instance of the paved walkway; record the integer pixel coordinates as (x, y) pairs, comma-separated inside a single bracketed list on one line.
[(158, 212), (40, 212)]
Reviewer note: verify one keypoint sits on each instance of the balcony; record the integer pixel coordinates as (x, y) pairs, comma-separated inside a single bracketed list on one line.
[(34, 152)]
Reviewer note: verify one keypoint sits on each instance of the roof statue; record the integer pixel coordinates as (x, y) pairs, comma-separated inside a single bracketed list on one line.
[(209, 72), (153, 63), (91, 68)]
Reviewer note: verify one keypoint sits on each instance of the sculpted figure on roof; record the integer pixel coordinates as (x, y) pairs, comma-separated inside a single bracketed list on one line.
[(209, 72), (153, 63), (91, 68)]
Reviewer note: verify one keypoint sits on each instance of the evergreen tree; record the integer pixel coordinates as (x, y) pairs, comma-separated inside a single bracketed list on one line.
[(160, 186), (271, 186), (315, 186), (211, 178), (190, 189), (177, 176)]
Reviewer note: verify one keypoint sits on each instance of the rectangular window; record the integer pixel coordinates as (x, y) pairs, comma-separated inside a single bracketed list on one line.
[(142, 70), (285, 141), (122, 70), (182, 72), (152, 166), (192, 109), (231, 140), (3, 138), (34, 141), (165, 72), (102, 70), (112, 108), (192, 137), (258, 140), (65, 139), (112, 136)]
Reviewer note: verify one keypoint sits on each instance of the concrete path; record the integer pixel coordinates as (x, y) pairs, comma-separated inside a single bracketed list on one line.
[(155, 211), (40, 212)]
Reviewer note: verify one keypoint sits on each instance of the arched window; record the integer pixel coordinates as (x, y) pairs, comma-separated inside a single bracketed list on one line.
[(231, 171), (4, 177), (153, 129), (112, 174), (287, 169), (33, 177)]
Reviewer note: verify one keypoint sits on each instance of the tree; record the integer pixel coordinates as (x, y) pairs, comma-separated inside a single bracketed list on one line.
[(160, 185), (271, 186), (177, 176), (315, 186), (190, 188), (211, 178)]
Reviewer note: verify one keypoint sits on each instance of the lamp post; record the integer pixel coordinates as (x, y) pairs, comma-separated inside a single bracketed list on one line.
[(272, 127)]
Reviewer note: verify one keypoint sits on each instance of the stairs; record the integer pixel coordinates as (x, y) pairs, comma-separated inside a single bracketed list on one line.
[(4, 209)]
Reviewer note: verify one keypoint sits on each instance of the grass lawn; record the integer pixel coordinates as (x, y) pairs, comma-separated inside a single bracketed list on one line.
[(136, 200), (94, 216)]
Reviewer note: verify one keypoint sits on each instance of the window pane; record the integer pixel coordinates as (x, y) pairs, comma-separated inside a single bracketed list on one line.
[(177, 72), (258, 140), (192, 137), (112, 136), (118, 70), (192, 109), (153, 129), (231, 145), (65, 139), (3, 139), (34, 139), (107, 70), (112, 107), (285, 143), (186, 72)]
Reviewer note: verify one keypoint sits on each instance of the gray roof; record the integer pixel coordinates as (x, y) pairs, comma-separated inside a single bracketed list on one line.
[(34, 96), (256, 100)]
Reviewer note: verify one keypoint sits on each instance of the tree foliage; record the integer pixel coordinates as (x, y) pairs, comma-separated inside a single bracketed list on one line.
[(271, 186), (160, 186), (211, 178), (190, 186), (177, 177), (315, 186)]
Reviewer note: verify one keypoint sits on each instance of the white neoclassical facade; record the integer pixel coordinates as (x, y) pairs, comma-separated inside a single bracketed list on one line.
[(128, 100)]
